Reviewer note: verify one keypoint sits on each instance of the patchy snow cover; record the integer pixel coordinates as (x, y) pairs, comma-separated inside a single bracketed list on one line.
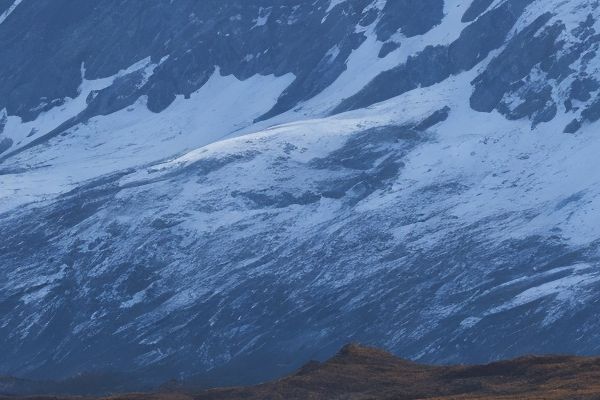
[(22, 133), (463, 239), (134, 136)]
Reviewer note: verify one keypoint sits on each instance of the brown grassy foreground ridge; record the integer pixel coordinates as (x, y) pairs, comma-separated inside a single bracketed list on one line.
[(361, 373)]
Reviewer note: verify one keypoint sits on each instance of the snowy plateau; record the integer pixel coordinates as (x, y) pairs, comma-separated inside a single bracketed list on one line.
[(221, 190)]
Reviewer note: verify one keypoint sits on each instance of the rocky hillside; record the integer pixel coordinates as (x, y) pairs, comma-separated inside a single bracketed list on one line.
[(358, 372), (219, 191), (365, 373)]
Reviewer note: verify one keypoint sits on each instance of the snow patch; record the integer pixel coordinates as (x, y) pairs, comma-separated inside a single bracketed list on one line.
[(10, 10)]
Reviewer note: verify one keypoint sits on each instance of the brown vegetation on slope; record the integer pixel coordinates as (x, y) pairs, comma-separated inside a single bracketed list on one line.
[(361, 373)]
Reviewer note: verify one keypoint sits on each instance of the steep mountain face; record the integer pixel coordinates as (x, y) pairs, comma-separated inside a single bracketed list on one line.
[(221, 190)]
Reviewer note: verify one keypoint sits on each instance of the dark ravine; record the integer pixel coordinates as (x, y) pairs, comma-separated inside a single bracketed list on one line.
[(358, 372)]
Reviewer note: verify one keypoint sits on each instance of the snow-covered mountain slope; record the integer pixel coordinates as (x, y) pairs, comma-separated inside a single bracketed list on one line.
[(276, 178)]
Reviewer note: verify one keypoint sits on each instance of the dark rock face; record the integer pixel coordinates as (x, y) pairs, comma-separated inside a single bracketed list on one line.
[(411, 17), (428, 67), (487, 33), (197, 36), (523, 80), (436, 63), (434, 119), (476, 8), (5, 144), (387, 48), (582, 88), (524, 52), (520, 82), (3, 120)]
